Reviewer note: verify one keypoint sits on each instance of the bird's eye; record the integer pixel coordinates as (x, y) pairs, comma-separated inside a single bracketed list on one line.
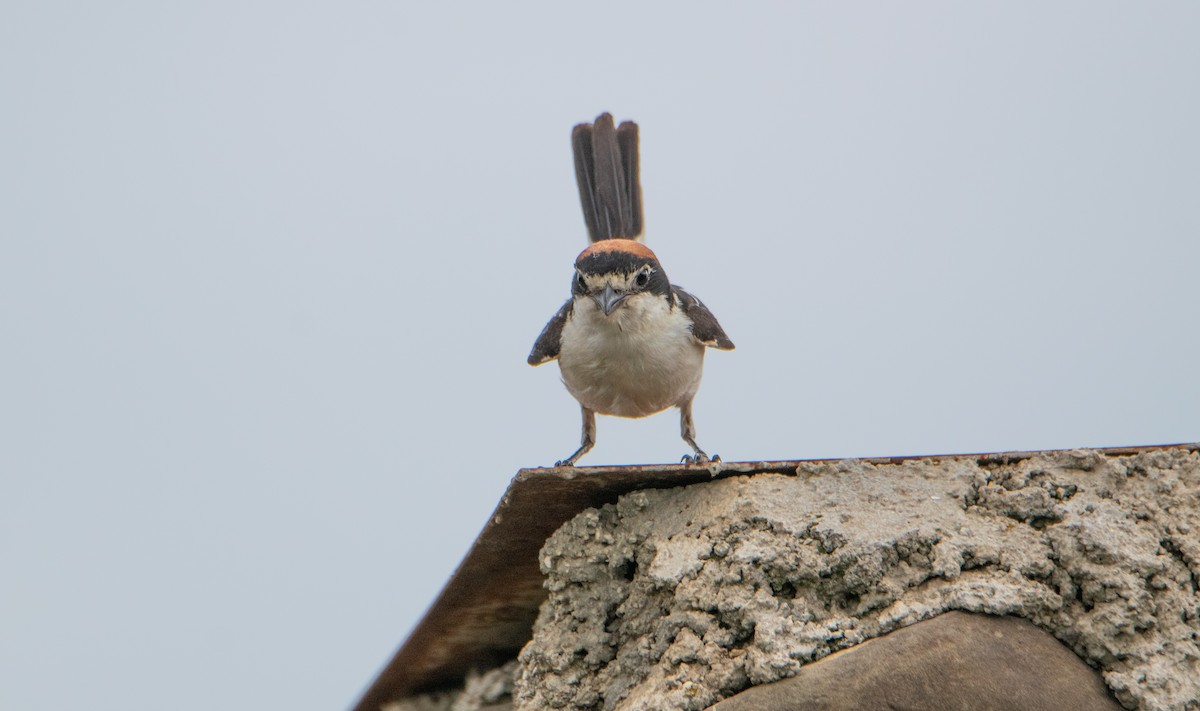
[(580, 284), (643, 278)]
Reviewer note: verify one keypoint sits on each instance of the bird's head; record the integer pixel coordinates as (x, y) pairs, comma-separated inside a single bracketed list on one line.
[(613, 271)]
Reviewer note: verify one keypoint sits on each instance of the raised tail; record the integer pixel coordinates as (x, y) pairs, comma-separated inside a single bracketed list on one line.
[(606, 169)]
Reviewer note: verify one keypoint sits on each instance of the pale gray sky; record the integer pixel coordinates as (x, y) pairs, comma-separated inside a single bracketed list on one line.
[(269, 272)]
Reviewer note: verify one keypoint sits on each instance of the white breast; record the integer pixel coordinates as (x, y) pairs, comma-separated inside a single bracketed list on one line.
[(640, 360)]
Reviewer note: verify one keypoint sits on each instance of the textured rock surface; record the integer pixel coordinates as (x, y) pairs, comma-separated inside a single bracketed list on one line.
[(482, 691), (679, 598), (955, 662)]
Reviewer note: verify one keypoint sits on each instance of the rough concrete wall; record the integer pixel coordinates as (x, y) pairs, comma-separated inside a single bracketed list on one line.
[(678, 598), (489, 690)]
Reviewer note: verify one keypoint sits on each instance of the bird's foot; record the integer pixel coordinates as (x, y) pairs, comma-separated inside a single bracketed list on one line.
[(570, 461), (700, 458)]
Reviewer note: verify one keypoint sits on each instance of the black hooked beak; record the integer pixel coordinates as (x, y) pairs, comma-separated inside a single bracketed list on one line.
[(610, 299)]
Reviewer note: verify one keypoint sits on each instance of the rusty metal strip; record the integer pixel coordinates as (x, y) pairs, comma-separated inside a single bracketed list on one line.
[(485, 613)]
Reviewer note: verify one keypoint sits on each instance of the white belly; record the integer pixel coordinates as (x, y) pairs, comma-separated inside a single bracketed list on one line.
[(640, 360)]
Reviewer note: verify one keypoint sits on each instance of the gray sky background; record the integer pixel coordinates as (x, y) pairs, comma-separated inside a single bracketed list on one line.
[(269, 272)]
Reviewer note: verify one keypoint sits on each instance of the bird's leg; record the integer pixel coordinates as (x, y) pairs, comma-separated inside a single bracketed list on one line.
[(688, 429), (588, 439)]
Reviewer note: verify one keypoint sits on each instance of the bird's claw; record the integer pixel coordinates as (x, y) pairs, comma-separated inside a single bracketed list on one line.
[(700, 458), (564, 463)]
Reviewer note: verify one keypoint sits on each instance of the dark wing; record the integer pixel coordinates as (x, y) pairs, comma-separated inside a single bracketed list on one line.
[(704, 325), (606, 171), (547, 345)]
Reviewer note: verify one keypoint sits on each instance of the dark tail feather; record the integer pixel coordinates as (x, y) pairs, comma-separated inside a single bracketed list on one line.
[(606, 170), (627, 139), (585, 178)]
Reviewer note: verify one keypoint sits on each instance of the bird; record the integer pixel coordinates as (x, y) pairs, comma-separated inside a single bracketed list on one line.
[(628, 342)]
